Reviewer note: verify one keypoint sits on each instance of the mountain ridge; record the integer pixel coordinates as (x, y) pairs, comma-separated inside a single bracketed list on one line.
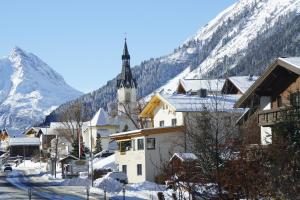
[(30, 89), (227, 45)]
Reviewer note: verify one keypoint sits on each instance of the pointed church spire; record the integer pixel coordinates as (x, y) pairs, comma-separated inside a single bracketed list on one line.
[(125, 79), (125, 51)]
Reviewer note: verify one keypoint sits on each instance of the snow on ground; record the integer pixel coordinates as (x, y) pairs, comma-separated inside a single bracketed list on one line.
[(76, 182), (145, 190), (106, 163), (30, 167), (114, 189), (108, 184)]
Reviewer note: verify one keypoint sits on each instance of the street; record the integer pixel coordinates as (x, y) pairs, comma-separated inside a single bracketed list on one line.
[(15, 186)]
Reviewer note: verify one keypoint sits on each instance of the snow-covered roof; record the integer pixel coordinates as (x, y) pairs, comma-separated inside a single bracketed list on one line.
[(48, 131), (291, 64), (70, 157), (295, 61), (24, 141), (194, 85), (100, 118), (185, 156), (243, 83), (36, 129), (194, 103)]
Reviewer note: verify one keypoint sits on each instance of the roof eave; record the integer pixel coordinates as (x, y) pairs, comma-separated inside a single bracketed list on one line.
[(279, 62)]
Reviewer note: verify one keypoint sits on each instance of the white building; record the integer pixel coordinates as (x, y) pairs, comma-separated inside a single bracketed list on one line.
[(170, 110), (142, 153), (101, 124)]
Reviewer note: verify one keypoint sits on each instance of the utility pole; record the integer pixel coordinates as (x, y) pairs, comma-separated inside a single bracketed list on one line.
[(91, 154), (79, 142), (56, 151)]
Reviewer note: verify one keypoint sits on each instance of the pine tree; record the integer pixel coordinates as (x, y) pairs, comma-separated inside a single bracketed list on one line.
[(75, 146), (98, 144), (75, 150)]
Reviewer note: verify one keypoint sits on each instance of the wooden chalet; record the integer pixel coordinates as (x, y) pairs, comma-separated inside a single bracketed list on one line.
[(273, 95), (238, 84)]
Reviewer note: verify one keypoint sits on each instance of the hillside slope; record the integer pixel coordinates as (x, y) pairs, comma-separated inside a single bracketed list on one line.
[(243, 39)]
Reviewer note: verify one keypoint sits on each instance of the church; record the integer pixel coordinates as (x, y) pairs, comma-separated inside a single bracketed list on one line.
[(121, 116)]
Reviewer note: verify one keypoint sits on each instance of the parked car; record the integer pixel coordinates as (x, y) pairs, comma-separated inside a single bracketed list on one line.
[(7, 167), (119, 176)]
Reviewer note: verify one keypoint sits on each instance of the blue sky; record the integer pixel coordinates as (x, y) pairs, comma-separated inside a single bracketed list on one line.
[(83, 40)]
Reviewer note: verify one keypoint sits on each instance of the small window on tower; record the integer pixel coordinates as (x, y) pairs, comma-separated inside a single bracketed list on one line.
[(127, 97)]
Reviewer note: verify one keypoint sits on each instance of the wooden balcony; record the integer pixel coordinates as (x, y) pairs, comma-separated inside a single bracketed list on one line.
[(273, 116)]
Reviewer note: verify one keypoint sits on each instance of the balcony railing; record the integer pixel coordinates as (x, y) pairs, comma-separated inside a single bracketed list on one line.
[(273, 116)]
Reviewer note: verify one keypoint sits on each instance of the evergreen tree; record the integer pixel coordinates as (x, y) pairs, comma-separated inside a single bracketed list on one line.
[(98, 144), (75, 151)]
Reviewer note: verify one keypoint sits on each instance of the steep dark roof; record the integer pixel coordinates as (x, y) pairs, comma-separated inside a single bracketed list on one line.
[(126, 79)]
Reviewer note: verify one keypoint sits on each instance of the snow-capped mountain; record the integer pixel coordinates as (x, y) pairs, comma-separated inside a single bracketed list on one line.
[(243, 22), (29, 90), (243, 39)]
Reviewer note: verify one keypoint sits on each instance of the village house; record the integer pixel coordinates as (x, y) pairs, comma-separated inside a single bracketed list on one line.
[(193, 86), (183, 167), (147, 150), (269, 98), (238, 84), (45, 135), (142, 152), (101, 124), (24, 146)]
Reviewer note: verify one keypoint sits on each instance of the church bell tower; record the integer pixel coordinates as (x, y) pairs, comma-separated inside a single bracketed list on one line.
[(126, 86)]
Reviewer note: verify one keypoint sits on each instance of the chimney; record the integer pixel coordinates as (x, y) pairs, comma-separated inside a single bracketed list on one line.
[(250, 78)]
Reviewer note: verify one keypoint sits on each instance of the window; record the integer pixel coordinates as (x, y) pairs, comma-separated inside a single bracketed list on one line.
[(127, 97), (295, 99), (162, 123), (150, 143), (139, 169), (174, 122), (140, 143), (279, 101), (124, 169), (133, 145), (125, 145)]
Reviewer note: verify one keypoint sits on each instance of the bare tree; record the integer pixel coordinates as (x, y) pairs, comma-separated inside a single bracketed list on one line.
[(72, 120), (133, 114), (70, 130), (210, 135)]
